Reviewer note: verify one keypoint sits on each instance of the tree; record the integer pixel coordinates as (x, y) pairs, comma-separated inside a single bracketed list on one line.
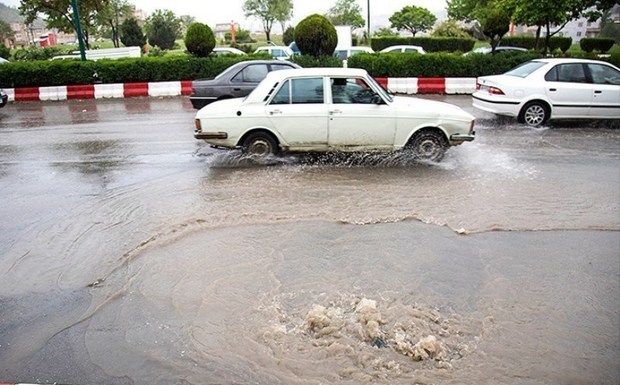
[(450, 28), (316, 36), (59, 14), (185, 21), (268, 11), (553, 14), (469, 10), (413, 19), (199, 40), (496, 25), (131, 34), (109, 18), (346, 12), (162, 29), (6, 32), (288, 36)]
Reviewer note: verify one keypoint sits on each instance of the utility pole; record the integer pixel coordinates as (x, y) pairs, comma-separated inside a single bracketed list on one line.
[(368, 9), (78, 29)]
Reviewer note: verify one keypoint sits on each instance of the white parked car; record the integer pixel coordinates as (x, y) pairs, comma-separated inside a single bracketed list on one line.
[(332, 109), (544, 89), (403, 48), (227, 51), (345, 53), (276, 51)]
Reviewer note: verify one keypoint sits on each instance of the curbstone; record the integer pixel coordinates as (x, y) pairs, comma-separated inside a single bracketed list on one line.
[(184, 88)]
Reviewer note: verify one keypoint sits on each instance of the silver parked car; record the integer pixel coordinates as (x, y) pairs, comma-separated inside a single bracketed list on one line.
[(236, 81)]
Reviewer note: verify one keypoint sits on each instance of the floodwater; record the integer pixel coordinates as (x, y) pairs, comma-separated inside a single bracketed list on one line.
[(132, 254)]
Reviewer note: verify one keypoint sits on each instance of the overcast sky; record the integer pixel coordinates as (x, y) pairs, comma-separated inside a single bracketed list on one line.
[(212, 12)]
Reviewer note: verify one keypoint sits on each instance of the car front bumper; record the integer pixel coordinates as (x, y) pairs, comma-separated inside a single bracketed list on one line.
[(200, 101)]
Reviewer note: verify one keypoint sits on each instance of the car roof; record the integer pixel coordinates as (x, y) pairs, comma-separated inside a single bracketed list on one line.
[(569, 60), (278, 76)]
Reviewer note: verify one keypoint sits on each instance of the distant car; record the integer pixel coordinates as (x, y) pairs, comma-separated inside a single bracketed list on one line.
[(345, 53), (236, 81), (4, 98), (276, 51), (293, 47), (544, 89), (227, 51), (332, 109), (500, 49), (403, 48)]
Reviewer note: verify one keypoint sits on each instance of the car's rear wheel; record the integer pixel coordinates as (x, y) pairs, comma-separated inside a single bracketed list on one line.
[(428, 145), (534, 114), (260, 144)]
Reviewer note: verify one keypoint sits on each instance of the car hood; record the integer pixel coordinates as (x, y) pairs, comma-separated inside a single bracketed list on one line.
[(431, 108)]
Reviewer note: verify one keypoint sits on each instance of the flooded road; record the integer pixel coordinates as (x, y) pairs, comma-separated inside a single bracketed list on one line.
[(131, 253)]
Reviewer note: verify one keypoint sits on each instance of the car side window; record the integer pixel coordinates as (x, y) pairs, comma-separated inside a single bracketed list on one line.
[(602, 74), (300, 91), (251, 74), (572, 72), (351, 91), (278, 67)]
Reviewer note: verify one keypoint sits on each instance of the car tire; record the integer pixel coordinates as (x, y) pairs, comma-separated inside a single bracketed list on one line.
[(428, 146), (260, 144), (534, 114)]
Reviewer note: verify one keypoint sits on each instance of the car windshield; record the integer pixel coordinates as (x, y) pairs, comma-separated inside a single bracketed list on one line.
[(382, 90), (525, 69)]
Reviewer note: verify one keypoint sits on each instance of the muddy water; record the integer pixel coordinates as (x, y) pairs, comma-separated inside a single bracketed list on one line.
[(499, 265)]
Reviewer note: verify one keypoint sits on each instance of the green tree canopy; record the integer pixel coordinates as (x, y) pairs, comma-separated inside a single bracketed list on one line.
[(413, 19), (110, 16), (199, 39), (162, 29), (346, 12), (450, 28), (131, 34), (316, 36), (496, 25), (59, 14), (268, 12)]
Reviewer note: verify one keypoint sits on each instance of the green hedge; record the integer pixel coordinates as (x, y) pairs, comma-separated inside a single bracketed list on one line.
[(529, 42), (438, 64), (145, 69), (152, 69), (430, 44), (589, 44)]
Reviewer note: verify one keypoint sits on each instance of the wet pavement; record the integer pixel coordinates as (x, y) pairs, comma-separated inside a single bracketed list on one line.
[(131, 253)]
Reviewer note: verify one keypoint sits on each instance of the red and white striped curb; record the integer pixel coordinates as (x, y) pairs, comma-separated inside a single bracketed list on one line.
[(177, 88)]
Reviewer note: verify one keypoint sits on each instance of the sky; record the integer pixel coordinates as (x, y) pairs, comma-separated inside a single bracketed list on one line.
[(213, 12)]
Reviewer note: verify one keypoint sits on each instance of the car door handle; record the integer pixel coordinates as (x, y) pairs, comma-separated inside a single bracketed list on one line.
[(598, 92), (236, 89), (274, 112), (332, 112), (552, 89)]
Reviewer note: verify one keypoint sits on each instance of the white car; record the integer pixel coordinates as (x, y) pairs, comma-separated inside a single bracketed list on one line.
[(544, 89), (328, 110), (227, 51), (404, 48), (345, 53), (276, 51)]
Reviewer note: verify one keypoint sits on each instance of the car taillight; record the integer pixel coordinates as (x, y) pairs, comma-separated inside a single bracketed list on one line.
[(495, 91), (478, 86)]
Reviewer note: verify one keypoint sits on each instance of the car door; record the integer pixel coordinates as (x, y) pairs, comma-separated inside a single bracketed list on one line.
[(606, 90), (298, 113), (356, 121), (247, 79), (568, 90)]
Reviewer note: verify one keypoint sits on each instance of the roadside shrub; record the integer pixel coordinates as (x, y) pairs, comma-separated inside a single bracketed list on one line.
[(288, 36), (529, 42), (308, 61), (438, 64), (589, 44), (38, 53), (316, 36), (5, 53), (199, 39), (430, 44)]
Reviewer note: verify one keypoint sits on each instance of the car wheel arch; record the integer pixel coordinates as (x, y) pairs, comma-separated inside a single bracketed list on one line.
[(254, 130), (421, 130), (428, 144), (542, 102)]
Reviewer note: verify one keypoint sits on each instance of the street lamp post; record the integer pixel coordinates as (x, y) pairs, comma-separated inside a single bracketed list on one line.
[(78, 28)]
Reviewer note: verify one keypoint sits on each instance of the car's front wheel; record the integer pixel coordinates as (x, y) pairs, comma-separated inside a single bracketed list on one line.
[(534, 114), (428, 145), (260, 144)]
